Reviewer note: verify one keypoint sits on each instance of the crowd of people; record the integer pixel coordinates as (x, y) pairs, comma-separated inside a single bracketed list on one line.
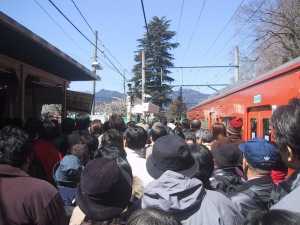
[(82, 172)]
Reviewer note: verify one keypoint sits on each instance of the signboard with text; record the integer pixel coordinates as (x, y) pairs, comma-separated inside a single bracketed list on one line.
[(79, 101)]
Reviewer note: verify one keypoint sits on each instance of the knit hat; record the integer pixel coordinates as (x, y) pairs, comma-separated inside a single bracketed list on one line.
[(68, 170), (258, 150), (235, 127), (104, 190), (171, 152), (226, 155)]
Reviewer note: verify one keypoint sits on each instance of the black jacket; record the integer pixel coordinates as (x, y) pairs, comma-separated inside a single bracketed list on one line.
[(224, 177), (245, 199)]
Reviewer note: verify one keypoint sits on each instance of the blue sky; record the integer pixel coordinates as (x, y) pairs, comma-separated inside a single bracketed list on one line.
[(204, 38)]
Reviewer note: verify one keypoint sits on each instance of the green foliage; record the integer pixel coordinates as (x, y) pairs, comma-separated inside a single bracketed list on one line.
[(178, 108), (158, 59)]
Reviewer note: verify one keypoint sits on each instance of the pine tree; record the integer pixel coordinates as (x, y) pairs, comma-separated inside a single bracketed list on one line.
[(157, 46)]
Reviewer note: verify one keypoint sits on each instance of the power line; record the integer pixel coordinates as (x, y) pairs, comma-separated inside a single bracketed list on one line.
[(221, 32), (99, 39), (142, 2), (194, 30), (60, 27), (238, 30)]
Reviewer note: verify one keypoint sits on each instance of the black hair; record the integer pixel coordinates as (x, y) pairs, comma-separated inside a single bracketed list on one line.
[(15, 146), (185, 124), (112, 136), (286, 123), (164, 120), (116, 153), (190, 136), (110, 150), (177, 131), (117, 122), (157, 132), (82, 121), (48, 130), (195, 124), (152, 216), (67, 125), (136, 137), (91, 141), (205, 135), (205, 160), (105, 126), (273, 217)]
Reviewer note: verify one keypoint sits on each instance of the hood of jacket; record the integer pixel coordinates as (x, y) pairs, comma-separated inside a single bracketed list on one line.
[(173, 192)]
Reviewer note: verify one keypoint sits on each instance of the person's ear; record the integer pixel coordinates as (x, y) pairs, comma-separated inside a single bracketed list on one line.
[(292, 156), (125, 143)]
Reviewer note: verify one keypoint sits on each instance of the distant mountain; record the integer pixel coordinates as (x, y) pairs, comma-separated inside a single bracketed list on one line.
[(191, 97), (106, 96)]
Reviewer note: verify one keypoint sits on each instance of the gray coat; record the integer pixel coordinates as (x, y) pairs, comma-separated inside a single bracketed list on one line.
[(189, 202)]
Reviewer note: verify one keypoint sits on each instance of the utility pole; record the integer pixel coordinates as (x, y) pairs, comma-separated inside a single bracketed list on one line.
[(236, 64), (143, 80), (124, 85), (180, 103), (96, 66)]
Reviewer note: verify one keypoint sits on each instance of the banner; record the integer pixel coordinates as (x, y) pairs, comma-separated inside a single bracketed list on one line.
[(79, 101)]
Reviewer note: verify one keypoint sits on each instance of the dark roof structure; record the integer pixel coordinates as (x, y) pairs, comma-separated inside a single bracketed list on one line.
[(19, 43)]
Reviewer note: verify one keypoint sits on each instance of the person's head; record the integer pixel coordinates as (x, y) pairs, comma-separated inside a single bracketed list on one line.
[(104, 190), (116, 153), (171, 152), (67, 125), (164, 120), (273, 217), (218, 130), (157, 132), (260, 156), (130, 124), (235, 127), (67, 172), (152, 216), (110, 150), (203, 136), (286, 124), (48, 130), (190, 137), (105, 126), (91, 141), (81, 151), (185, 124), (117, 122), (96, 127), (82, 121), (112, 136), (225, 156), (177, 131), (15, 147), (205, 160), (195, 124), (135, 137)]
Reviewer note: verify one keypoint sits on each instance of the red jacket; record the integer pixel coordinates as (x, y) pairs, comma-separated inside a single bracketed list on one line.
[(29, 201), (47, 155)]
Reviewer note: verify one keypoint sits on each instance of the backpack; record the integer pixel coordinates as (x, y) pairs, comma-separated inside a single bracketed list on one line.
[(229, 184)]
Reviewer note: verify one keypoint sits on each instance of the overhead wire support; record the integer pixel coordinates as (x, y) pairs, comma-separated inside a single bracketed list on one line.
[(197, 67)]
